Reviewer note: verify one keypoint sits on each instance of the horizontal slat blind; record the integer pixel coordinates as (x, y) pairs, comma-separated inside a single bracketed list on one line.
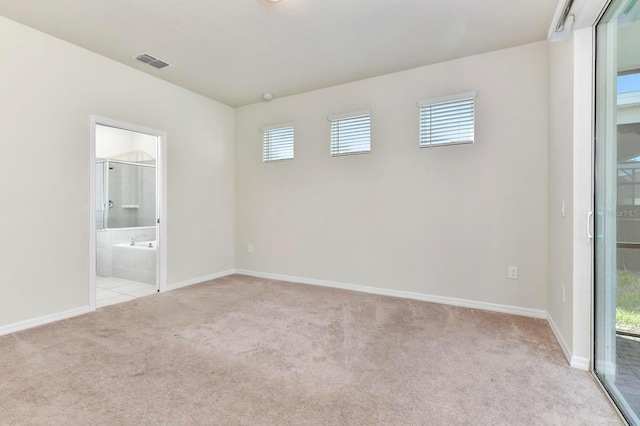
[(445, 123), (277, 144), (351, 135)]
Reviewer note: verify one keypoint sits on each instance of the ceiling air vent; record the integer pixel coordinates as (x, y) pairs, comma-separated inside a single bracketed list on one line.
[(152, 60)]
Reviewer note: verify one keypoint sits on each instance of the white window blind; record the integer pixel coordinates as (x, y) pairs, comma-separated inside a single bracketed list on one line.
[(351, 133), (277, 143), (447, 121)]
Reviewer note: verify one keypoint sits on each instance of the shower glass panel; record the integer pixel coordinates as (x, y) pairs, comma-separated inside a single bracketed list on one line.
[(617, 206), (125, 195)]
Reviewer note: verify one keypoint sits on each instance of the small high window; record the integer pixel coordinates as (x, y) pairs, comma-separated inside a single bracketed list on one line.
[(351, 133), (447, 121), (277, 143)]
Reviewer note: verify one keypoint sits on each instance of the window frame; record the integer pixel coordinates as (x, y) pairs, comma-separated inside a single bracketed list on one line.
[(267, 129), (446, 100), (344, 116)]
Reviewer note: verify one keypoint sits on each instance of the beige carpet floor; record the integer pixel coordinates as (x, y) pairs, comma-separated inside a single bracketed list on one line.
[(248, 351)]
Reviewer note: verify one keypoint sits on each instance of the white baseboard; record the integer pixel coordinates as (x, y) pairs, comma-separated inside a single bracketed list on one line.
[(507, 309), (575, 361), (199, 279), (563, 344), (580, 363), (35, 322)]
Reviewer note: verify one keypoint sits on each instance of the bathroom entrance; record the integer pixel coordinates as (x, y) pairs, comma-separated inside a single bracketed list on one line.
[(126, 200)]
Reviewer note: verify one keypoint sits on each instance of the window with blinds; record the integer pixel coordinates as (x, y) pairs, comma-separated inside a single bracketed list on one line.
[(351, 133), (447, 121), (277, 143)]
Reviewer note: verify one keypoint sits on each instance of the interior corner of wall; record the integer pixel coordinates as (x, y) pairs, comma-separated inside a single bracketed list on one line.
[(566, 349)]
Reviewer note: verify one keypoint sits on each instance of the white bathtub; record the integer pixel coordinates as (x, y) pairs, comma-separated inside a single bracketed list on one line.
[(134, 262), (140, 244)]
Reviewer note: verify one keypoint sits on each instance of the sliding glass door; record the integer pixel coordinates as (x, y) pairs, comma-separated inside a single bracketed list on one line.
[(617, 205)]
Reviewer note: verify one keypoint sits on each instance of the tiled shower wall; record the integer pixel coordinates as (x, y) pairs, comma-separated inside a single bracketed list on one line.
[(132, 190), (109, 237)]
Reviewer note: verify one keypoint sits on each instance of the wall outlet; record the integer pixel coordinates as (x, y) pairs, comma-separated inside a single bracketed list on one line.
[(563, 294), (513, 272), (250, 248)]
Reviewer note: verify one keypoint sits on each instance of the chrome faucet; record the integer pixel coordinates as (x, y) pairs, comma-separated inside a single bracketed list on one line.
[(133, 240)]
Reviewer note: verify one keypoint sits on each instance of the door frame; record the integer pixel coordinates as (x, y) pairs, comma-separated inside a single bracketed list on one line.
[(161, 200)]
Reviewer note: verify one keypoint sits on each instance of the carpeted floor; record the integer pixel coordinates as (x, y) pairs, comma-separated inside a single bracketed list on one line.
[(248, 351)]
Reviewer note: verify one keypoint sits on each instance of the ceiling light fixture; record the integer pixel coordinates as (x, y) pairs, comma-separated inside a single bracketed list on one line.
[(267, 96)]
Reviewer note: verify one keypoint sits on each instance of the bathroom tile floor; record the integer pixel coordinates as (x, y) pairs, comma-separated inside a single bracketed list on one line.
[(111, 290)]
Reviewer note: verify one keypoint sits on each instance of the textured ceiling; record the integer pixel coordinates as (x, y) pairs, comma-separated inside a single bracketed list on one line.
[(235, 50)]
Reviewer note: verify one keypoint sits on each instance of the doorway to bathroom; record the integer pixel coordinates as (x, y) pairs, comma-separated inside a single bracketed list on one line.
[(127, 206)]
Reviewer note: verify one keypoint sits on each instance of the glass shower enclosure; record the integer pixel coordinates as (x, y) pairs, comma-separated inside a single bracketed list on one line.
[(125, 194)]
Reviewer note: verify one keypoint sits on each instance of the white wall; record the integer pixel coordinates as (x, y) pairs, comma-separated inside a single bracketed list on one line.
[(446, 221), (561, 189), (116, 143), (570, 178), (48, 90)]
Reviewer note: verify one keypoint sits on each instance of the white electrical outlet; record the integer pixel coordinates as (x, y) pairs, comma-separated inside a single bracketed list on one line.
[(513, 272), (563, 294), (250, 248)]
